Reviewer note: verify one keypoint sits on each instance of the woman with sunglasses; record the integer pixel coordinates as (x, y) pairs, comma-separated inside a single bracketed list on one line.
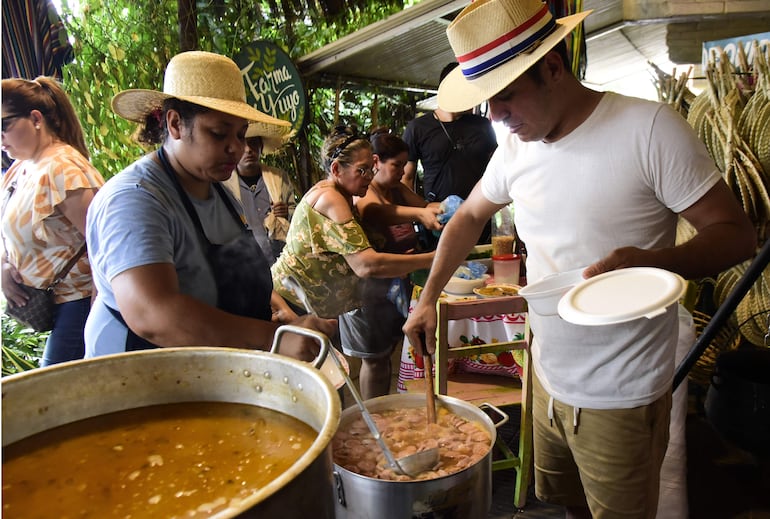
[(48, 189), (388, 212), (327, 250)]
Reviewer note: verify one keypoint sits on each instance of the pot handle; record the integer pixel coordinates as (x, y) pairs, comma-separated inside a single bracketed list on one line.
[(504, 416), (322, 339), (340, 488)]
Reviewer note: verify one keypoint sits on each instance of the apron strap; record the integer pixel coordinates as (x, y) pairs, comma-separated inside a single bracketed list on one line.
[(133, 341), (240, 270), (188, 204)]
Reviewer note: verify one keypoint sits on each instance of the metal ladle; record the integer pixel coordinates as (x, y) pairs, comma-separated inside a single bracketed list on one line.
[(411, 465)]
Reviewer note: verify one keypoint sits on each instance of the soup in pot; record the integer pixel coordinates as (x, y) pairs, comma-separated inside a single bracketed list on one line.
[(191, 459), (462, 443)]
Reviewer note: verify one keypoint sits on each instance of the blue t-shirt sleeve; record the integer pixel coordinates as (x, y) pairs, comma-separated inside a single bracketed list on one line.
[(127, 229)]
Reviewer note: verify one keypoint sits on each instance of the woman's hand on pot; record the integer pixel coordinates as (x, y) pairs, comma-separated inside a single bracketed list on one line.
[(307, 348), (12, 289)]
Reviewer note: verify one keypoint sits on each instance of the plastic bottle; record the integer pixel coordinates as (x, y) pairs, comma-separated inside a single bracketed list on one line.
[(503, 233)]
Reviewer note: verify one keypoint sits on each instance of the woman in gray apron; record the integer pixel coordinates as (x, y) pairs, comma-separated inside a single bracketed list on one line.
[(174, 262)]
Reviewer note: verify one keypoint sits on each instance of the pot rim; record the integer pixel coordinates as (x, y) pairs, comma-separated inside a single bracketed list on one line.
[(418, 400), (181, 358)]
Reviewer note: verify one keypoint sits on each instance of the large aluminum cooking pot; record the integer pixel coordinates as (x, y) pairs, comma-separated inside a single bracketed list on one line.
[(45, 398), (463, 495)]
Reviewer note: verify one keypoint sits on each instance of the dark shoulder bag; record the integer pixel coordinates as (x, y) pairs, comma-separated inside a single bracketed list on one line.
[(40, 311)]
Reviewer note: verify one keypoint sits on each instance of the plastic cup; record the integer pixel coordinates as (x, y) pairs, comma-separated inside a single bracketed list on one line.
[(507, 268)]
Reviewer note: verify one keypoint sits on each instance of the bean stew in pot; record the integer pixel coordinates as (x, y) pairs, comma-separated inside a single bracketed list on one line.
[(461, 443)]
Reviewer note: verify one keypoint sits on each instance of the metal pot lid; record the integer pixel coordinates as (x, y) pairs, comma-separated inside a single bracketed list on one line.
[(621, 295)]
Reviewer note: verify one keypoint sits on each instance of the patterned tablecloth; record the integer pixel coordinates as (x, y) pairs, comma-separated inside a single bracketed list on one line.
[(488, 329)]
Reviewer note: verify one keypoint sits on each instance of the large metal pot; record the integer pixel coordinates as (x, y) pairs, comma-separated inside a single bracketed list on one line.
[(41, 399), (464, 495)]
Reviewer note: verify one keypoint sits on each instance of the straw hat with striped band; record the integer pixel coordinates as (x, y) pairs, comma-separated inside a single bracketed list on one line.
[(202, 78), (495, 41)]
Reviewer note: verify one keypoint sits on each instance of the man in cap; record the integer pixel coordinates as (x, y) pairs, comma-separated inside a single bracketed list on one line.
[(599, 181)]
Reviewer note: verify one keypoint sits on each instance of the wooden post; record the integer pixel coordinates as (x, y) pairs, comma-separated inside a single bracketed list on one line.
[(337, 101)]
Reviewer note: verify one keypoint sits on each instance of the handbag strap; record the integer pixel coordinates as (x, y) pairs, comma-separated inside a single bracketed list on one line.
[(71, 263)]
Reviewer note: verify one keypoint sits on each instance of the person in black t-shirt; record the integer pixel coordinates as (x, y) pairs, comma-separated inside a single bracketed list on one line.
[(454, 149)]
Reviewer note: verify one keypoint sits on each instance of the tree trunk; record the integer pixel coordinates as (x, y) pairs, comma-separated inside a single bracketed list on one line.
[(188, 25)]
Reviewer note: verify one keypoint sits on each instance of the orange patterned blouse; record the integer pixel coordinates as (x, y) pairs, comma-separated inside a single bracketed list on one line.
[(38, 239)]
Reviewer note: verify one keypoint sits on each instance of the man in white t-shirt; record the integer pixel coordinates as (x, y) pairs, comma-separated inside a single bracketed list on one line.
[(598, 181)]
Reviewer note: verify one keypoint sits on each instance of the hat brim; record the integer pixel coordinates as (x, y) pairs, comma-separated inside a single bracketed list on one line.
[(135, 104), (273, 144), (458, 94), (273, 137)]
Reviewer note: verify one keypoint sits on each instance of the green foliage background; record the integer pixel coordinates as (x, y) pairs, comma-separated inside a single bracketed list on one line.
[(117, 45), (22, 347), (122, 44)]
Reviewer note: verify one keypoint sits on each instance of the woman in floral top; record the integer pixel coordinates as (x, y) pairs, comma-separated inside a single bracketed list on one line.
[(47, 191), (327, 250)]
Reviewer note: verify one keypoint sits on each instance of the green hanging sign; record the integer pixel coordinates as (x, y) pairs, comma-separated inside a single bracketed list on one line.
[(273, 83)]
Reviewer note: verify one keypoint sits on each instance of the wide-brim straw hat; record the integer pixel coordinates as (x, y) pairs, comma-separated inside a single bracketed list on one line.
[(273, 137), (202, 78), (495, 41)]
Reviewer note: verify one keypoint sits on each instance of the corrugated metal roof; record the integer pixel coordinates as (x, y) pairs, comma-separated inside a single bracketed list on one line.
[(409, 49)]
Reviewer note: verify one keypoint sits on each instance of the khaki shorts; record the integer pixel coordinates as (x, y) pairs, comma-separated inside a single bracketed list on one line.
[(611, 461)]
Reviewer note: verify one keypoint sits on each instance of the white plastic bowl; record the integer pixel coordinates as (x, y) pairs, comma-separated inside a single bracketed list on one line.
[(464, 286), (543, 296), (623, 295)]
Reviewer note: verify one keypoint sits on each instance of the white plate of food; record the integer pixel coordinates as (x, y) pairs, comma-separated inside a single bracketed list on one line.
[(497, 290)]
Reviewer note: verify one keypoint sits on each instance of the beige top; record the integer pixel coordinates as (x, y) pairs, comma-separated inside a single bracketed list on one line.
[(280, 188), (37, 237)]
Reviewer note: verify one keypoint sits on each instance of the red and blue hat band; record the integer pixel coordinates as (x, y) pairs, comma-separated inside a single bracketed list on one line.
[(508, 46)]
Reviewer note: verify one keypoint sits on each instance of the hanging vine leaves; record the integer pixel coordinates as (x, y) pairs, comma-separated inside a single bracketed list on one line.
[(115, 49), (123, 44)]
